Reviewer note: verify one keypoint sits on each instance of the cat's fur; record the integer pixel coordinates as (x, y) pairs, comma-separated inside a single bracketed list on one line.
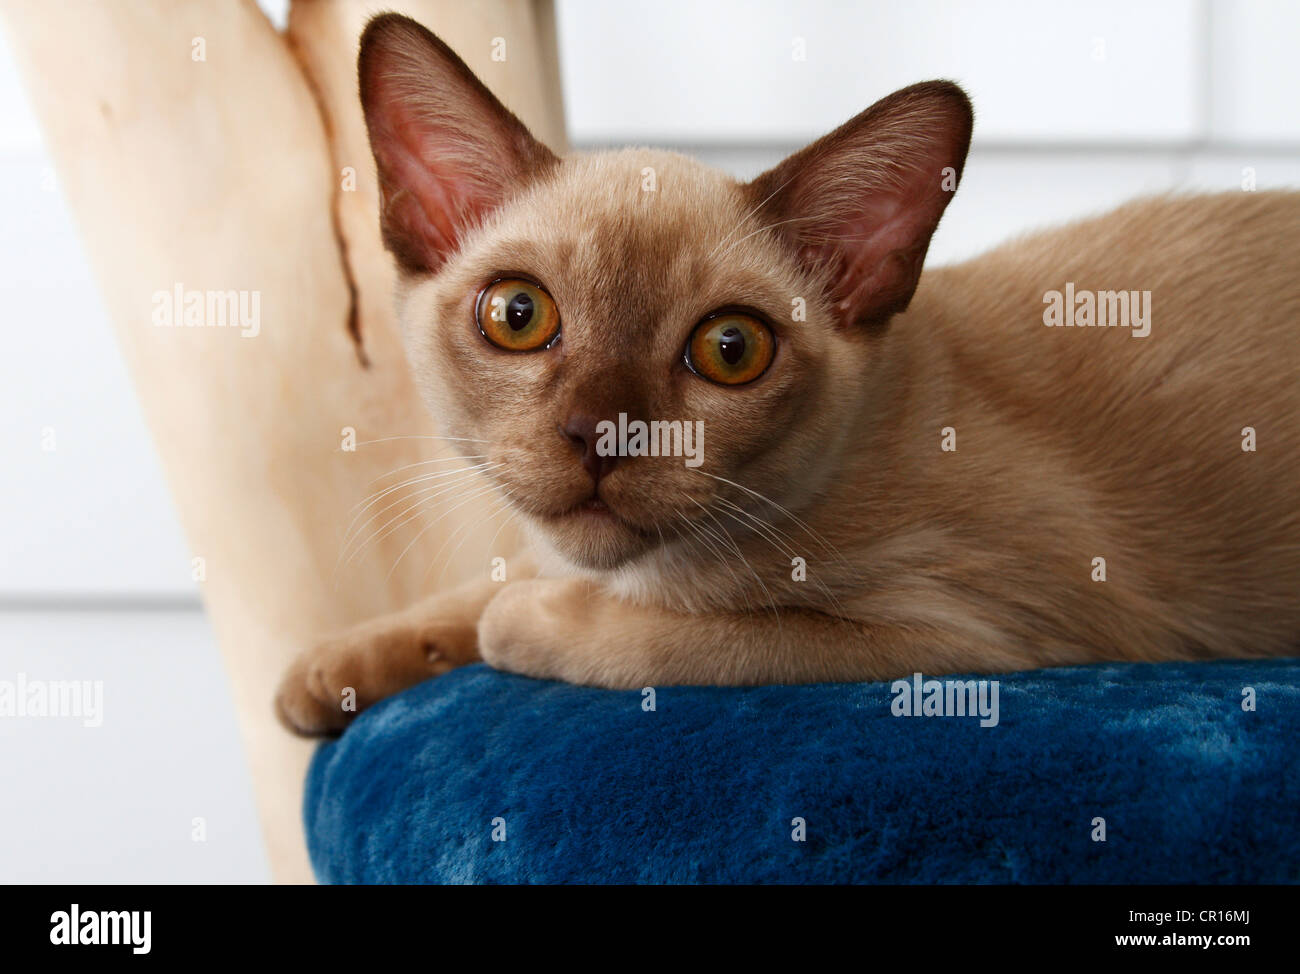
[(1071, 443)]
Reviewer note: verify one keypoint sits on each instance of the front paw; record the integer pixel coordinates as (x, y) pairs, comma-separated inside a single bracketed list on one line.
[(537, 628), (327, 686)]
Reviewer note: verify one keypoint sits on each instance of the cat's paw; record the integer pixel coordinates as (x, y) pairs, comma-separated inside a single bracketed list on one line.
[(328, 685), (537, 628)]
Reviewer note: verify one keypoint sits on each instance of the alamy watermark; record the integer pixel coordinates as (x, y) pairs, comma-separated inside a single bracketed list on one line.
[(82, 699), (74, 926), (181, 307), (919, 697), (1098, 309), (659, 438)]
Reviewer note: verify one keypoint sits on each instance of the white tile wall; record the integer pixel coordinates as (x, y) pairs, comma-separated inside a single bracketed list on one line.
[(1255, 95), (83, 505), (1073, 70), (116, 803)]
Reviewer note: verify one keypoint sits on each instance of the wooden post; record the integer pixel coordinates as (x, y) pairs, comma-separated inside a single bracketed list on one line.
[(200, 149)]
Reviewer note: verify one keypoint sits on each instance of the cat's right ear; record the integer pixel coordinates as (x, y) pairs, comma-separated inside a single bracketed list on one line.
[(447, 151)]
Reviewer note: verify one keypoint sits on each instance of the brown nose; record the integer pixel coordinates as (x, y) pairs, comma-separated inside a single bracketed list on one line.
[(580, 431)]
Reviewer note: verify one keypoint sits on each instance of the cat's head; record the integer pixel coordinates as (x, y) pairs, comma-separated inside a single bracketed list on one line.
[(544, 297)]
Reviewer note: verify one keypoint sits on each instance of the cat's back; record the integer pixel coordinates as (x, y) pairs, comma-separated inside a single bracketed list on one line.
[(1152, 229), (1201, 256), (1185, 303), (1179, 439)]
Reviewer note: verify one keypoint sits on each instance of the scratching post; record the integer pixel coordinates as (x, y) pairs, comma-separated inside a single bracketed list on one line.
[(204, 153)]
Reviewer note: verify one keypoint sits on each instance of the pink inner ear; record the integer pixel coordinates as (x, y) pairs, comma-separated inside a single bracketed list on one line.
[(879, 255), (430, 202), (428, 197), (446, 149)]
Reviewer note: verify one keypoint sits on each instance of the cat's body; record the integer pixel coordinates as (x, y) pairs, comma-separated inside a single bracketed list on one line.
[(1085, 442), (906, 486)]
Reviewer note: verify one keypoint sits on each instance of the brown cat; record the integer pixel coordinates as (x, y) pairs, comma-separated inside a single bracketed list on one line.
[(899, 472)]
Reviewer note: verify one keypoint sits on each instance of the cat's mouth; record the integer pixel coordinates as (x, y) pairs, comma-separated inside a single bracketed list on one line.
[(592, 508), (594, 533), (594, 511), (594, 505)]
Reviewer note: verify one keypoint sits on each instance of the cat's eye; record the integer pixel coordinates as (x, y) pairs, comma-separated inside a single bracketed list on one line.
[(517, 315), (730, 349)]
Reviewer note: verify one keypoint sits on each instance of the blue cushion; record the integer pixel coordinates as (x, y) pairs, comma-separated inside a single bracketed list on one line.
[(587, 786)]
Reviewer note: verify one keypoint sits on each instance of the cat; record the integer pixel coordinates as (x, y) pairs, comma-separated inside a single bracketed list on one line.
[(900, 472)]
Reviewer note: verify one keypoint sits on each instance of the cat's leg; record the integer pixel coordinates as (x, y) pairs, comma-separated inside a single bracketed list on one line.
[(572, 630), (330, 683)]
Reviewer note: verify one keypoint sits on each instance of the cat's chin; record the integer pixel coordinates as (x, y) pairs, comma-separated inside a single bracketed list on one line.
[(591, 536)]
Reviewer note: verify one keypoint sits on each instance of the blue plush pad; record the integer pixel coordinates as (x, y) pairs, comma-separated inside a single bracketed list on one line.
[(592, 788)]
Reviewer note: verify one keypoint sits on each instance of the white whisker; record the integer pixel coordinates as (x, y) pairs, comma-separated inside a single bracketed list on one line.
[(458, 478), (768, 532), (767, 500), (423, 436), (505, 502), (758, 207), (425, 463), (413, 511), (762, 229), (721, 558), (479, 493), (776, 612), (380, 494)]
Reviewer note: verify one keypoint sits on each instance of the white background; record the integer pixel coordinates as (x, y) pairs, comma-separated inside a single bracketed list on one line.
[(1079, 106)]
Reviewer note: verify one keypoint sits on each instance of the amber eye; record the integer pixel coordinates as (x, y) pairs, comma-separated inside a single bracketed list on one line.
[(731, 349), (517, 316)]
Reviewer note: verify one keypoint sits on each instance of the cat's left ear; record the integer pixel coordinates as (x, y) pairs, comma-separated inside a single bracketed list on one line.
[(862, 203)]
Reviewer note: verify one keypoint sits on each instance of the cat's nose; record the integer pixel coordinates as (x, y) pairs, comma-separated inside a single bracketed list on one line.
[(580, 431)]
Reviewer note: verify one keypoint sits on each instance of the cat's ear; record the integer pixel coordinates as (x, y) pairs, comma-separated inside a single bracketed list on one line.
[(446, 150), (862, 203)]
